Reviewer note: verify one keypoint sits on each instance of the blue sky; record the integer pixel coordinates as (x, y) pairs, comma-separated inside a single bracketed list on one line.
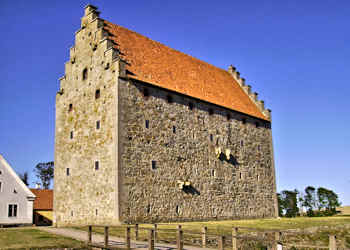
[(295, 54)]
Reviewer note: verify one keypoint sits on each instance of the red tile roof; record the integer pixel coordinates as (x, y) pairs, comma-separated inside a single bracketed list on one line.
[(157, 64), (44, 199)]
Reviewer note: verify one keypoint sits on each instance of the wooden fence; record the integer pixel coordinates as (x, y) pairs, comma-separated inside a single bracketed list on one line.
[(222, 241)]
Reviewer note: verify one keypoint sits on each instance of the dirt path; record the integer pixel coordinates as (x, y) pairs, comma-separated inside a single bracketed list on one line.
[(113, 241)]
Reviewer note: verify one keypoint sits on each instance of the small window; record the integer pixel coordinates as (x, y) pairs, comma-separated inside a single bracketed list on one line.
[(242, 143), (213, 173), (97, 165), (228, 116), (71, 134), (12, 210), (190, 105), (15, 191), (211, 137), (240, 176), (211, 111), (147, 123), (148, 210), (85, 74), (0, 186), (70, 107), (169, 98), (96, 212), (67, 172), (174, 129), (154, 165), (145, 92), (97, 94), (244, 121), (98, 124), (0, 172)]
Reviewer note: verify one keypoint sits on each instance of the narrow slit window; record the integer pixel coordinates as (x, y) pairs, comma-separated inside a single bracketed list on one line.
[(145, 92), (154, 165), (242, 143), (85, 74), (211, 137), (174, 130), (213, 173), (177, 210), (96, 211), (67, 172), (98, 124), (240, 176), (147, 123), (97, 93), (71, 135), (70, 108), (97, 165)]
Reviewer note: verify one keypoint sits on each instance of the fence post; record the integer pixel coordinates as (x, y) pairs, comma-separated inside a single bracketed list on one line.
[(277, 244), (127, 238), (221, 242), (234, 238), (204, 236), (136, 231), (90, 235), (179, 239), (155, 233), (332, 242), (106, 236), (151, 240)]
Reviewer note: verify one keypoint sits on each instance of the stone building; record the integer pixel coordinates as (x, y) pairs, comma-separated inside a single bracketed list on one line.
[(145, 133)]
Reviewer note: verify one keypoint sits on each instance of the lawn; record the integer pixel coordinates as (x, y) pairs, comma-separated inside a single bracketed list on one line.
[(14, 238)]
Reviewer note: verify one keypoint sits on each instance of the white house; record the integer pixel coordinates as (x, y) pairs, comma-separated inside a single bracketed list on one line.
[(16, 200)]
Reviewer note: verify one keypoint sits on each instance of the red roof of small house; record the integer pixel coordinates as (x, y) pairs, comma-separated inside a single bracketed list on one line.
[(152, 62), (44, 199)]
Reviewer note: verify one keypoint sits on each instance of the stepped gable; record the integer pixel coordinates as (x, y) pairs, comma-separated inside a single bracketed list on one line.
[(152, 62)]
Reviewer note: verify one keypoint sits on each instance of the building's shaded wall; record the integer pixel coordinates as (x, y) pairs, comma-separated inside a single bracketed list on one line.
[(241, 187)]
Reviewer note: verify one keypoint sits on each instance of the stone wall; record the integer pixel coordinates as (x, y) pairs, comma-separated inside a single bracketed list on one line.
[(185, 145), (87, 194)]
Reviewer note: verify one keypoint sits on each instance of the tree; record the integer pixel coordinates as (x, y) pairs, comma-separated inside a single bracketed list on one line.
[(44, 171), (24, 178), (280, 205), (327, 200), (309, 200), (288, 202)]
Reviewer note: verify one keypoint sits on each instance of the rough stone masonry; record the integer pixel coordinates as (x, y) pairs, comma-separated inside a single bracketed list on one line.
[(129, 150)]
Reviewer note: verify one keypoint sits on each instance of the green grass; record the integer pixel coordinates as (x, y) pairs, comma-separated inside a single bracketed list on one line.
[(20, 238)]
